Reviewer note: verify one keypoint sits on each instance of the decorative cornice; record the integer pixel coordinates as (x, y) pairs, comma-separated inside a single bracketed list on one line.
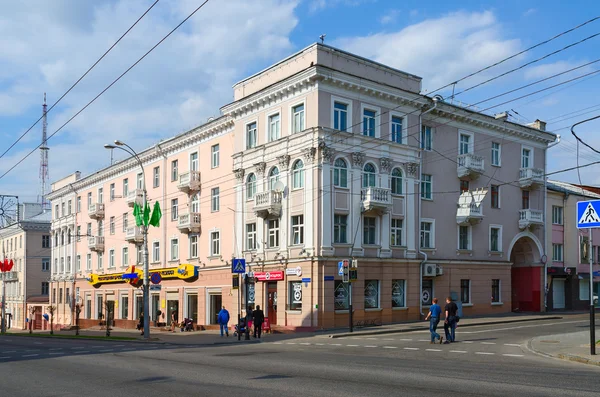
[(385, 164), (327, 154), (260, 168), (284, 161), (239, 174), (309, 153), (412, 169), (358, 159)]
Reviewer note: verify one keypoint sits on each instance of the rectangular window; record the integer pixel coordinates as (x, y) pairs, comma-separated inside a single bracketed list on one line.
[(46, 241), (125, 257), (111, 259), (56, 213), (214, 199), (496, 153), (124, 307), (60, 295), (526, 158), (194, 161), (495, 239), (398, 293), (54, 295), (100, 265), (496, 291), (140, 181), (111, 192), (557, 252), (464, 186), (100, 195), (156, 252), (369, 230), (426, 138), (156, 177), (215, 243), (557, 215), (427, 235), (45, 264), (396, 232), (465, 291), (78, 205), (125, 221), (125, 187), (100, 228), (341, 295), (274, 127), (464, 144), (139, 256), (525, 199), (273, 233), (340, 173), (214, 155), (298, 119), (78, 235), (495, 196), (340, 116), (297, 229), (174, 170), (426, 185), (584, 290), (295, 295), (88, 262), (69, 207), (174, 209), (62, 265), (174, 249), (464, 238), (396, 129), (251, 236), (193, 246), (89, 200), (45, 287), (62, 208), (371, 294), (251, 136), (369, 122), (78, 264), (112, 225)]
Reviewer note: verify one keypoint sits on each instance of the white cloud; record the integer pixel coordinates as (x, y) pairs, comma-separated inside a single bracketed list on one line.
[(317, 5), (529, 12), (389, 17), (546, 70)]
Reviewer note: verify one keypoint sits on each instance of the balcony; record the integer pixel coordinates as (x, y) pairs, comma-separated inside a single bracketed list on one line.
[(96, 211), (469, 214), (529, 177), (189, 222), (134, 234), (135, 196), (267, 204), (377, 198), (96, 243), (189, 181), (528, 218), (469, 166)]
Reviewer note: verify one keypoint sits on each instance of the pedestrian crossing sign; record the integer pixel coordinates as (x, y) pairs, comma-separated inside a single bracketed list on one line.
[(238, 266), (587, 214)]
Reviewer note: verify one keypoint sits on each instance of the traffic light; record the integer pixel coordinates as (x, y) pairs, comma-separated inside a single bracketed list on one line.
[(236, 282), (353, 274), (345, 267)]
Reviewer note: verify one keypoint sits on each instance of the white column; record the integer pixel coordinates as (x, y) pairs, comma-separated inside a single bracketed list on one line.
[(355, 232), (238, 231), (261, 186), (310, 157), (411, 229), (385, 251), (284, 219), (326, 218)]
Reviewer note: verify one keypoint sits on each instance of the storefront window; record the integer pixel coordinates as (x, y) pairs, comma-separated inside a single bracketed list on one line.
[(341, 295), (295, 295), (371, 294), (124, 307), (398, 293)]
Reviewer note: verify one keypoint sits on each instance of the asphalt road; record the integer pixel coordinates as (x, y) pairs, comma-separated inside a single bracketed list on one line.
[(485, 361)]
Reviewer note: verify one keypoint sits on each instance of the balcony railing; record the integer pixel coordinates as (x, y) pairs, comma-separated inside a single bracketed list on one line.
[(469, 214), (189, 181), (96, 243), (528, 218), (135, 196), (531, 177), (267, 203), (377, 198), (469, 165), (96, 210), (134, 234), (189, 222)]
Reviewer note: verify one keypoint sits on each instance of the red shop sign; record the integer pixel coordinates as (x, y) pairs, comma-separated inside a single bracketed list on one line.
[(269, 276)]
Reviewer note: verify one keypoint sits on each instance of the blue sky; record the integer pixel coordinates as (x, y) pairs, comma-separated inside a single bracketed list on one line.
[(46, 46)]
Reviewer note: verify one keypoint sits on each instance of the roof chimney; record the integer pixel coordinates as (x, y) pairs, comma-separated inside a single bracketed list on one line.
[(539, 125), (501, 116)]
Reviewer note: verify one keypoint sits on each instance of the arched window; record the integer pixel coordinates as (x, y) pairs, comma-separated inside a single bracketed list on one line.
[(69, 237), (369, 175), (298, 174), (396, 181), (273, 177), (250, 186), (340, 173)]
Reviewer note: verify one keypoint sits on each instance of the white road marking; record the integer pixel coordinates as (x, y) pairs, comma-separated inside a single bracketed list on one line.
[(389, 339), (485, 353), (3, 357), (514, 355), (389, 347), (56, 348), (74, 348), (290, 343), (277, 343), (56, 353), (97, 347), (458, 351), (406, 340), (512, 344), (352, 345), (320, 344), (467, 341), (82, 351), (370, 346), (424, 340), (105, 351), (411, 348), (488, 343), (522, 326), (336, 344), (371, 338), (30, 355), (433, 350), (305, 343)]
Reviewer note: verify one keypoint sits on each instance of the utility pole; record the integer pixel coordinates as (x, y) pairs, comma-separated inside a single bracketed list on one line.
[(592, 308)]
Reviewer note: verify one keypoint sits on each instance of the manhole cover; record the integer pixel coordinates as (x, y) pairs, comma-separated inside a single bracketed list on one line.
[(550, 341)]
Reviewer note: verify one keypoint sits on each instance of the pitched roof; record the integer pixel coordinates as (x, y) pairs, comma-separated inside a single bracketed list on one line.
[(570, 188)]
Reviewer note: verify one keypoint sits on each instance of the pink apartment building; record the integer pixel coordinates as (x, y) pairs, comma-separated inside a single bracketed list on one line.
[(322, 157)]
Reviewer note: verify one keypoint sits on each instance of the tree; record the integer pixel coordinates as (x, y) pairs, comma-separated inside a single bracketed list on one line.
[(51, 310)]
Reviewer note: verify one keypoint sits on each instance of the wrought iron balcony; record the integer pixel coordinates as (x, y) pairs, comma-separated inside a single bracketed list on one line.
[(96, 243), (529, 177), (189, 181), (189, 222), (134, 234), (135, 196), (469, 166), (267, 204), (96, 211), (528, 218), (377, 198)]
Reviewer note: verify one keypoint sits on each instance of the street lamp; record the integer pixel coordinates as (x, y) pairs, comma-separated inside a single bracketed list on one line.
[(146, 281)]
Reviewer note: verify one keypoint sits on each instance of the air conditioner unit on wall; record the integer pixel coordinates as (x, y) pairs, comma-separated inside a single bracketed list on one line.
[(439, 271), (429, 270)]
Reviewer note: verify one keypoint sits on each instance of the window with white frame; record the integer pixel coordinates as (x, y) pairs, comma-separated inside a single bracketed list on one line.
[(426, 187), (156, 177), (251, 135), (215, 243), (427, 234), (111, 225), (297, 229), (251, 186), (369, 122), (111, 259), (88, 262), (194, 161), (398, 293), (100, 195), (140, 181), (45, 264), (194, 246), (111, 192), (340, 223), (250, 236), (78, 205), (396, 232), (369, 175), (526, 160), (156, 251), (174, 209), (396, 181), (214, 207), (174, 249), (295, 296), (195, 203), (464, 238), (557, 252), (273, 177), (340, 116), (496, 291), (465, 291), (100, 258), (125, 257), (298, 174), (63, 212), (396, 129), (89, 200), (464, 143), (273, 230), (426, 137), (340, 173), (298, 118), (274, 127), (100, 228), (557, 215), (125, 187), (139, 255), (496, 154), (369, 230), (214, 155), (495, 238), (70, 206), (371, 294), (174, 170), (125, 221)]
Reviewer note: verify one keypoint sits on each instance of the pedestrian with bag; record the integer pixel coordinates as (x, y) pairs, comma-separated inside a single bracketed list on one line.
[(450, 321), (223, 319), (433, 316), (258, 317)]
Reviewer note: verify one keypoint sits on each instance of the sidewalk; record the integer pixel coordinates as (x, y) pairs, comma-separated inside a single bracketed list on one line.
[(572, 347)]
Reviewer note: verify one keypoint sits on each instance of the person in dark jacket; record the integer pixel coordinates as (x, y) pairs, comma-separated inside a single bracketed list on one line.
[(451, 310), (223, 319), (258, 317)]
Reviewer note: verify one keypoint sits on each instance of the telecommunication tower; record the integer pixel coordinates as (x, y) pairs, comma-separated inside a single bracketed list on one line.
[(44, 178)]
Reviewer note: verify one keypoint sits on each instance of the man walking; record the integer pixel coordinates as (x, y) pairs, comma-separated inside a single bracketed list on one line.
[(450, 322), (258, 317), (223, 319), (434, 318)]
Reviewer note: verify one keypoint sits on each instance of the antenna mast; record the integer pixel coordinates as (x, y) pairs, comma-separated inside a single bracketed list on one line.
[(44, 178)]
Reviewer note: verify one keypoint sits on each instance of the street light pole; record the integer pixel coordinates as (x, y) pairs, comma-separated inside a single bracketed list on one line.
[(146, 279)]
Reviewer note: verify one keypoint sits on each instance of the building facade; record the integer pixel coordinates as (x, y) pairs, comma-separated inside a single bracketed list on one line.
[(334, 157)]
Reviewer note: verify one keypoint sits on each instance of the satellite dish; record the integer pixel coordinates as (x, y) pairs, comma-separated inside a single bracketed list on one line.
[(279, 187)]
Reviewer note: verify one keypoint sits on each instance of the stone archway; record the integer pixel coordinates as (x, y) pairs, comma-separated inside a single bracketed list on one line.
[(525, 253)]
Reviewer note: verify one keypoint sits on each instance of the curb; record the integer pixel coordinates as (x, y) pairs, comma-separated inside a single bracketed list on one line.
[(426, 328), (582, 360)]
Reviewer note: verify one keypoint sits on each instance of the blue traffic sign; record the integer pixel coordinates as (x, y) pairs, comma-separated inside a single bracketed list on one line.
[(130, 276), (340, 268), (587, 214), (238, 266)]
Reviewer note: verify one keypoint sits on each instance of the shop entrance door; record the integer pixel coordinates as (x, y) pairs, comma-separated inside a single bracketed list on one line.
[(38, 317), (558, 293), (192, 307), (216, 303), (173, 306), (272, 302), (154, 308)]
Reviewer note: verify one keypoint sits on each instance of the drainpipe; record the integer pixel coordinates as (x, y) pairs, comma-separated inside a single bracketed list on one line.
[(545, 215), (435, 101)]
